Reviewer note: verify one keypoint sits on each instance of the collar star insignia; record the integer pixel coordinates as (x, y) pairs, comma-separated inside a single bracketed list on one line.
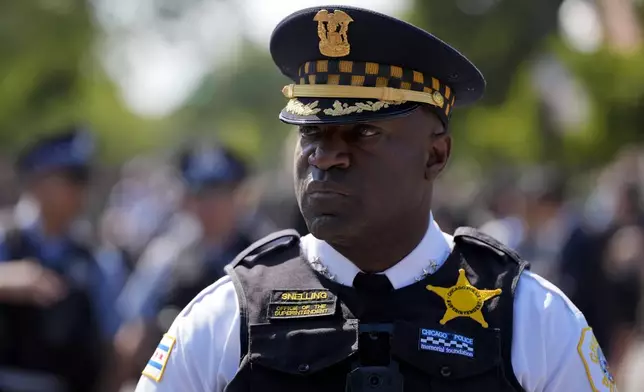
[(463, 299), (430, 269)]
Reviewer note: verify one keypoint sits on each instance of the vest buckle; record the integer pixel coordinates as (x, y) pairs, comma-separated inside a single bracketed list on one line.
[(375, 370)]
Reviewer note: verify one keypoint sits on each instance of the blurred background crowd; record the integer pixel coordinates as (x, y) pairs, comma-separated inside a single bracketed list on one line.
[(141, 150)]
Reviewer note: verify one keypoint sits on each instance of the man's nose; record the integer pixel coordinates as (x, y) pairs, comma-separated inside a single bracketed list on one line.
[(330, 152)]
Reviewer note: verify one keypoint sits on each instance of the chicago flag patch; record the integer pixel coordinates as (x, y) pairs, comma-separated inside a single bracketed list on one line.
[(597, 370), (156, 365)]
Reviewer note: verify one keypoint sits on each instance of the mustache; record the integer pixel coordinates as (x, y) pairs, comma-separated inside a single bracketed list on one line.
[(331, 175)]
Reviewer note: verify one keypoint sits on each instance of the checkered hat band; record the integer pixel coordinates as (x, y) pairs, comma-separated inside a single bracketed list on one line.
[(367, 74)]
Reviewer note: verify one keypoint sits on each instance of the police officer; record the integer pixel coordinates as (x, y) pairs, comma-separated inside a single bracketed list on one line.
[(202, 238), (213, 176), (50, 286), (377, 297)]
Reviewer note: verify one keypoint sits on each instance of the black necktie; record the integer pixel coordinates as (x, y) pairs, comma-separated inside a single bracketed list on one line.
[(372, 283), (372, 290)]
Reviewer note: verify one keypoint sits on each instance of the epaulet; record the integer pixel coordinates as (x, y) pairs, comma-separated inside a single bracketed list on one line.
[(471, 235), (270, 243)]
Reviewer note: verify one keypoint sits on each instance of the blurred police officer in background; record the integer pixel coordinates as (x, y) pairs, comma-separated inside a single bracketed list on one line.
[(211, 228), (54, 310), (213, 176)]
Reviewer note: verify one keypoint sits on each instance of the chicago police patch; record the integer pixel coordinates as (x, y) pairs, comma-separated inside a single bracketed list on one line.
[(597, 370), (445, 342), (156, 365)]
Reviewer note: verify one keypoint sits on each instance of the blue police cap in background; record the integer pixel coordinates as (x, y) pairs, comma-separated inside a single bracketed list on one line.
[(350, 65), (71, 149), (211, 166)]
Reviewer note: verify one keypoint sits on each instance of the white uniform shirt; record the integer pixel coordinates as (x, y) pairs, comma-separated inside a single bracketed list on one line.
[(553, 349)]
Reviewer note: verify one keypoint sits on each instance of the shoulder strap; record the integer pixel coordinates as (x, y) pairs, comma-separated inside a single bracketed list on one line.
[(469, 233), (471, 236), (269, 243), (265, 245)]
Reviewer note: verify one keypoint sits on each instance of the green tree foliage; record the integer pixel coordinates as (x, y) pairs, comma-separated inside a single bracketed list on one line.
[(615, 82), (511, 125), (497, 35), (50, 78), (240, 102), (41, 48)]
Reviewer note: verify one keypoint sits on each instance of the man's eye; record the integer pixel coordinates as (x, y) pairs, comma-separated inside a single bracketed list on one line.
[(309, 131), (367, 131)]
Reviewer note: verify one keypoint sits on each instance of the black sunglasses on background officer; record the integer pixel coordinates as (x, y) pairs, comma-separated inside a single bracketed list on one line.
[(377, 297), (51, 289)]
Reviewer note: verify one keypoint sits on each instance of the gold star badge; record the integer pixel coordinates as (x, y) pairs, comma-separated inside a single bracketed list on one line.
[(463, 299)]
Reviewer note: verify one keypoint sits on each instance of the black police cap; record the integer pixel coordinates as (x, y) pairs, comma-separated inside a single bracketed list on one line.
[(204, 167), (352, 65), (70, 149)]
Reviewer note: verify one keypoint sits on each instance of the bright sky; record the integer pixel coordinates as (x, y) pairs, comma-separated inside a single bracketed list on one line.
[(158, 68)]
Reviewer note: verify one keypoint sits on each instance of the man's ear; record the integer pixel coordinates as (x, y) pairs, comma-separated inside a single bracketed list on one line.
[(440, 148)]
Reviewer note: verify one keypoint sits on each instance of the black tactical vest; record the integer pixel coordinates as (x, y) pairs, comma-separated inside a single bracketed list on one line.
[(62, 340), (303, 332)]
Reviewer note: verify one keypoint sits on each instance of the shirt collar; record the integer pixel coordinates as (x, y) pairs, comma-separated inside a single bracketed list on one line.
[(426, 258)]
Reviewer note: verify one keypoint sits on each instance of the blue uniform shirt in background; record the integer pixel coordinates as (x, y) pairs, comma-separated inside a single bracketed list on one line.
[(101, 283)]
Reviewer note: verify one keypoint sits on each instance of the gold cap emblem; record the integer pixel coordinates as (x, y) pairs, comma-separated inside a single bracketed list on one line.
[(438, 98), (463, 299), (332, 30)]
